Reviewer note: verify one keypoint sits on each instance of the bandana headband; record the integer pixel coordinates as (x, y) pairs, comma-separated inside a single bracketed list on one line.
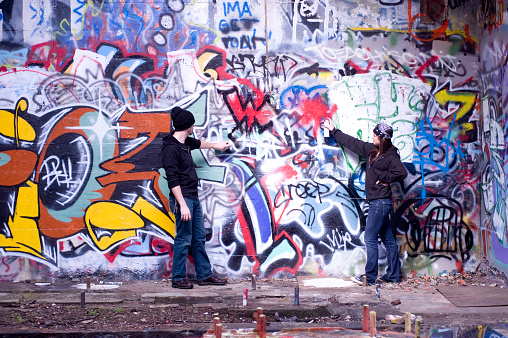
[(383, 130)]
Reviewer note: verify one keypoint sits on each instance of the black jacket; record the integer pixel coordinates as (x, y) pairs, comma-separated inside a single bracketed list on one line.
[(387, 169), (179, 166)]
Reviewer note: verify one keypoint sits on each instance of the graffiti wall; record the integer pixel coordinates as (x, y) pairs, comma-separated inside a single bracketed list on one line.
[(493, 234), (85, 93)]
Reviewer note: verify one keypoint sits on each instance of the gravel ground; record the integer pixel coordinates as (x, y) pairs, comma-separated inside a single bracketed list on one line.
[(137, 316)]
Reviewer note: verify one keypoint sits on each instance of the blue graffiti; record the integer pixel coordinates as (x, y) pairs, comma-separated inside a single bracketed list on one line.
[(433, 147)]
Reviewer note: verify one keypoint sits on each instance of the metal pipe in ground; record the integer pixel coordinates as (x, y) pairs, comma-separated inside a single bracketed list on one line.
[(408, 322), (216, 321), (262, 326), (83, 299), (418, 327), (366, 318), (259, 313), (218, 332), (373, 329)]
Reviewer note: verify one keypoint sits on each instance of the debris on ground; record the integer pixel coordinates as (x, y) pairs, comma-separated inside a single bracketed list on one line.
[(135, 315)]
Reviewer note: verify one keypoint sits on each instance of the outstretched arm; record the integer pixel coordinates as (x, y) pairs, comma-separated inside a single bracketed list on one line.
[(221, 146), (352, 143)]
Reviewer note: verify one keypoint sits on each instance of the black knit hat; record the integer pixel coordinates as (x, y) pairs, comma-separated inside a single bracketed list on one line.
[(182, 119)]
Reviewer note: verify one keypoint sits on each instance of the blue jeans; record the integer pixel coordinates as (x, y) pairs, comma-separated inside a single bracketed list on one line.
[(189, 235), (378, 223)]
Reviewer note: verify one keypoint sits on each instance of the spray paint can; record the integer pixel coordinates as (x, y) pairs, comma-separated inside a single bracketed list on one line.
[(245, 296), (378, 291), (297, 295)]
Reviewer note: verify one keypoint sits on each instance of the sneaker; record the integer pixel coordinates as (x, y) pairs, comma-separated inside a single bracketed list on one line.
[(359, 281), (212, 281), (385, 280), (182, 284)]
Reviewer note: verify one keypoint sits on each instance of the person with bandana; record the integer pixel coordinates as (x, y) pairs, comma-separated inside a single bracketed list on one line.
[(383, 168), (183, 200)]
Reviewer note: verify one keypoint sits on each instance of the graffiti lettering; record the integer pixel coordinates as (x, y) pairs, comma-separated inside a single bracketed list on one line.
[(303, 191)]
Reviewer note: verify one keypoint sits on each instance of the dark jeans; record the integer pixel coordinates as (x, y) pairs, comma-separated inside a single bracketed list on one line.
[(189, 234), (378, 223)]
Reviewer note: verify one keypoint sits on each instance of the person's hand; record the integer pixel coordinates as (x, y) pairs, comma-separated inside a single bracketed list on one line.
[(185, 212), (328, 124), (223, 145), (382, 183)]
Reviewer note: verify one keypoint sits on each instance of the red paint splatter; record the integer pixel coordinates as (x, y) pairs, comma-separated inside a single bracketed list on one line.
[(315, 111), (287, 171)]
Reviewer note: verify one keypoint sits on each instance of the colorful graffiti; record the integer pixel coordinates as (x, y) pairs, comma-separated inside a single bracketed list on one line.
[(493, 234), (85, 93)]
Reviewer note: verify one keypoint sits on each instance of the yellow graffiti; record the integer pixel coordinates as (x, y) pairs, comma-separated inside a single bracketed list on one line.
[(466, 100), (205, 59), (148, 211), (111, 216), (24, 233), (110, 223), (13, 126)]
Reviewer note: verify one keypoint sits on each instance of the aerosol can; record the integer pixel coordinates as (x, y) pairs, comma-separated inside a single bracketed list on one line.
[(378, 291)]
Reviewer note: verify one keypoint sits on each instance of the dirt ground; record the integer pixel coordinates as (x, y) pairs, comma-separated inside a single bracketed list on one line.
[(136, 316)]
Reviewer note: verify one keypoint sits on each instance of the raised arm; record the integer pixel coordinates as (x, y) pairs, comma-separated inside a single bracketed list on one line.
[(352, 143)]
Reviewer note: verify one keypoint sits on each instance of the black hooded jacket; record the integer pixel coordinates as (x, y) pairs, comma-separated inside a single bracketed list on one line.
[(179, 166), (386, 169)]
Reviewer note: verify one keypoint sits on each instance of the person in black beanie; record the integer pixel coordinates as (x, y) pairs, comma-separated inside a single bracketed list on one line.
[(383, 168), (184, 202)]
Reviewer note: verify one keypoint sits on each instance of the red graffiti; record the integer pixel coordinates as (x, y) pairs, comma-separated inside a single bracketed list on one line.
[(428, 63), (47, 54), (315, 111), (111, 256), (437, 32)]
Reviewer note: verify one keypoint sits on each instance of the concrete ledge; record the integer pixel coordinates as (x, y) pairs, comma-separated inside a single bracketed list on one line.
[(9, 298), (75, 298), (285, 312), (182, 298)]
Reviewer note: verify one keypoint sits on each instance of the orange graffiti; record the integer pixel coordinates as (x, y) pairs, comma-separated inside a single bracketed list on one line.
[(437, 32)]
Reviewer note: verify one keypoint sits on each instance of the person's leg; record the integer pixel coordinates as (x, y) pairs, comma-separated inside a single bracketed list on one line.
[(372, 228), (182, 243), (201, 260), (392, 250)]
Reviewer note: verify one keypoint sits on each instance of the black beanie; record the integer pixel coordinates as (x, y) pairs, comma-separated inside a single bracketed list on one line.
[(182, 119)]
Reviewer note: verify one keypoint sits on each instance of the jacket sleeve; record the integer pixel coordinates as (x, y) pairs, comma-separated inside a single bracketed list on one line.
[(396, 171), (193, 143), (352, 143), (170, 163)]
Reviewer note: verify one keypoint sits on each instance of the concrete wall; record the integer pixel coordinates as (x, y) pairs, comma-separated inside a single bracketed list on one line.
[(493, 235), (85, 88)]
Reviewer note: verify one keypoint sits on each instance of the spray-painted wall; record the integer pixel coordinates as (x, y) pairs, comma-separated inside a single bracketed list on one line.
[(85, 89), (493, 234)]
